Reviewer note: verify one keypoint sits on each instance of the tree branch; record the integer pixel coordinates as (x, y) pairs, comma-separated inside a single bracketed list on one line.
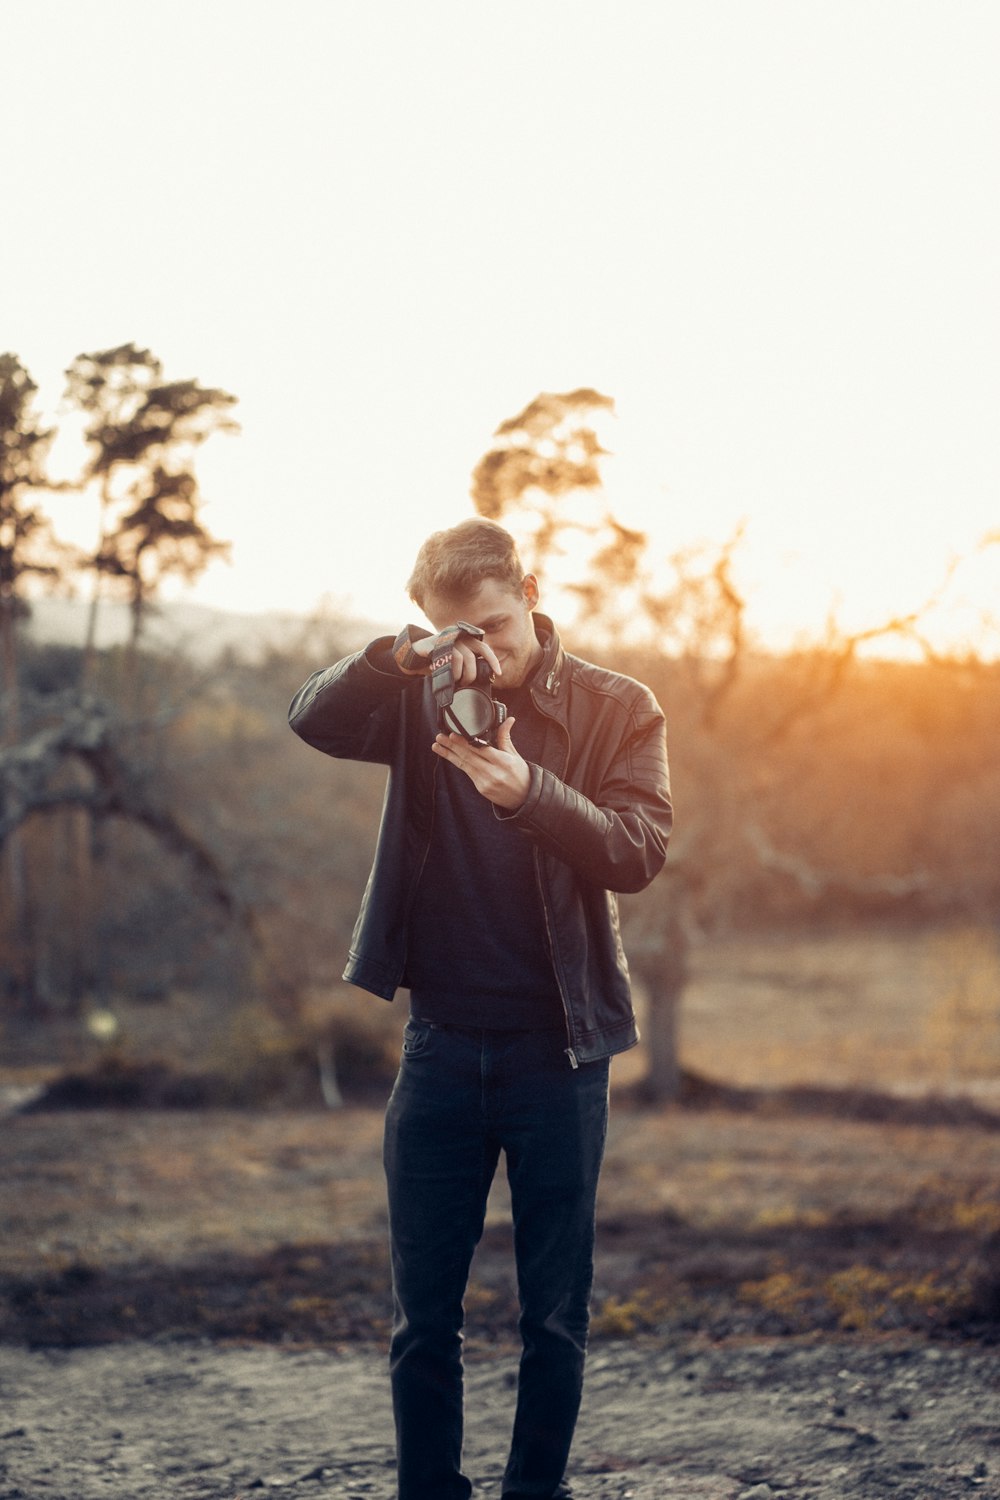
[(30, 774), (815, 882)]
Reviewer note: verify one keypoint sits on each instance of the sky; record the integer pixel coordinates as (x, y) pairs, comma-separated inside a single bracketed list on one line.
[(769, 229)]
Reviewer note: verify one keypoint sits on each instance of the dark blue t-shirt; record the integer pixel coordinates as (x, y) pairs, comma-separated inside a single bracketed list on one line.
[(477, 952)]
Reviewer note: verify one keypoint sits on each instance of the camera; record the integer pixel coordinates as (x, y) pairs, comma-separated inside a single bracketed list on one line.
[(471, 711)]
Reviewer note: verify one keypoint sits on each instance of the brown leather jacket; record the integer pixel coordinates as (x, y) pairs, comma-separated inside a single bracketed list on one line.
[(598, 813)]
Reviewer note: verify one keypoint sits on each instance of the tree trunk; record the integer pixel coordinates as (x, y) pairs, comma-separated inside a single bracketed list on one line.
[(89, 656), (83, 885), (19, 977), (13, 866), (661, 964), (663, 1072)]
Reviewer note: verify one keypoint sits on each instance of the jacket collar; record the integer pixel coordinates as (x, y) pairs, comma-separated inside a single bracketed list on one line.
[(547, 685)]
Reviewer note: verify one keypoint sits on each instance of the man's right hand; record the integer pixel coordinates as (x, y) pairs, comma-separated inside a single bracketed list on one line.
[(464, 650)]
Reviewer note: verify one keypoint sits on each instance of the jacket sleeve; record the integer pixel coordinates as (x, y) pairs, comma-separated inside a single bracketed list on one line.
[(617, 838), (351, 710)]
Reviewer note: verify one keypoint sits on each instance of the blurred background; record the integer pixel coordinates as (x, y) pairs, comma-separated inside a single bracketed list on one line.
[(701, 302)]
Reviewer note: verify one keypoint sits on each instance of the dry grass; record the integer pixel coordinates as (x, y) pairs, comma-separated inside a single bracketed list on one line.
[(272, 1224), (901, 1011)]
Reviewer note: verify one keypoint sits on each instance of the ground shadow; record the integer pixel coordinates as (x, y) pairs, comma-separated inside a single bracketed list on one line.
[(656, 1274)]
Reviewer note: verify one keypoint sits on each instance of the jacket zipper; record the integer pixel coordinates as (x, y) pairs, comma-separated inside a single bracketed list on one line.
[(570, 1051)]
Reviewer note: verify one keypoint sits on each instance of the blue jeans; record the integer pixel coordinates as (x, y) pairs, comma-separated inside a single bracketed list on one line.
[(462, 1097)]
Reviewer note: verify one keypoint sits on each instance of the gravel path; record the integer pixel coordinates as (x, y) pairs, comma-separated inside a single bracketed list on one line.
[(815, 1421)]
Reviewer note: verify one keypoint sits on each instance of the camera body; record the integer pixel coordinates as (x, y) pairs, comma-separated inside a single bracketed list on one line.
[(470, 711), (473, 712)]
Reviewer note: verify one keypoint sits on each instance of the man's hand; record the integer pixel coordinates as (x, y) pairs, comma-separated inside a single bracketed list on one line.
[(500, 775), (463, 656)]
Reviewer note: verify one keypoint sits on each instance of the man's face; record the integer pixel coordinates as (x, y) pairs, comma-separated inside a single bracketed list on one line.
[(504, 614)]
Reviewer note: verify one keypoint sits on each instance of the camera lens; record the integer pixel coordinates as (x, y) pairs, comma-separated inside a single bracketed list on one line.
[(472, 712)]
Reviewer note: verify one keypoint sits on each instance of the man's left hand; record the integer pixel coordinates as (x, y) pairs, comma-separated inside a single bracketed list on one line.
[(501, 775)]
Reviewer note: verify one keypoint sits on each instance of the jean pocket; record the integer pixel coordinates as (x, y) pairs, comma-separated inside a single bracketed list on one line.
[(415, 1038)]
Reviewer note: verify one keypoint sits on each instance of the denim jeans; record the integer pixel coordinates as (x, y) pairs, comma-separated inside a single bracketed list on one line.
[(461, 1097)]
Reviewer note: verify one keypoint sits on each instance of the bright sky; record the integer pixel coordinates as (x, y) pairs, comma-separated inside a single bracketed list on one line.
[(770, 229)]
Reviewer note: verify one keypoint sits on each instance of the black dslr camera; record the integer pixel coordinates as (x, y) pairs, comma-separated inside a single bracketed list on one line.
[(471, 711)]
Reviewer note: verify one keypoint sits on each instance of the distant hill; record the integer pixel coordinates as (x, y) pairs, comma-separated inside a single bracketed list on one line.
[(197, 630)]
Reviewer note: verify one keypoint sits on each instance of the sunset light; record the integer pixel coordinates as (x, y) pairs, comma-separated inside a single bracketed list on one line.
[(581, 1016), (769, 233)]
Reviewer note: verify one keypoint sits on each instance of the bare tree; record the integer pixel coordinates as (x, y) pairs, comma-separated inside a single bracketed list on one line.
[(696, 637), (143, 433), (160, 533), (82, 759), (27, 544), (27, 549), (545, 460), (543, 467), (109, 387)]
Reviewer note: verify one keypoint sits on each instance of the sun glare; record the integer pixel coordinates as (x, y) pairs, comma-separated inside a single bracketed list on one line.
[(791, 303)]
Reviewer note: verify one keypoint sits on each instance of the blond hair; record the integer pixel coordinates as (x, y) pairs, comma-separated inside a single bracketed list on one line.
[(452, 564)]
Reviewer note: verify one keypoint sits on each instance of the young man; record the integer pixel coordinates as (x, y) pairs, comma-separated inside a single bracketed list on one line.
[(491, 898)]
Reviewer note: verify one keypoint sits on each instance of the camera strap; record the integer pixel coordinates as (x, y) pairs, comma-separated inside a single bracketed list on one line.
[(442, 676)]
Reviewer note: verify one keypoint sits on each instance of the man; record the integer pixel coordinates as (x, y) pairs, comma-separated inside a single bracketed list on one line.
[(491, 900)]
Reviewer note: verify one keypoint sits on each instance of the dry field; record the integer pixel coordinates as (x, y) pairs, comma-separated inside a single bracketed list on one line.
[(910, 1012), (800, 1291), (760, 1211)]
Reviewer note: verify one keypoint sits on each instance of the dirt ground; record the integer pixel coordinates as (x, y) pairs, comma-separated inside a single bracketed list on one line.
[(815, 1421), (194, 1304), (798, 1275)]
